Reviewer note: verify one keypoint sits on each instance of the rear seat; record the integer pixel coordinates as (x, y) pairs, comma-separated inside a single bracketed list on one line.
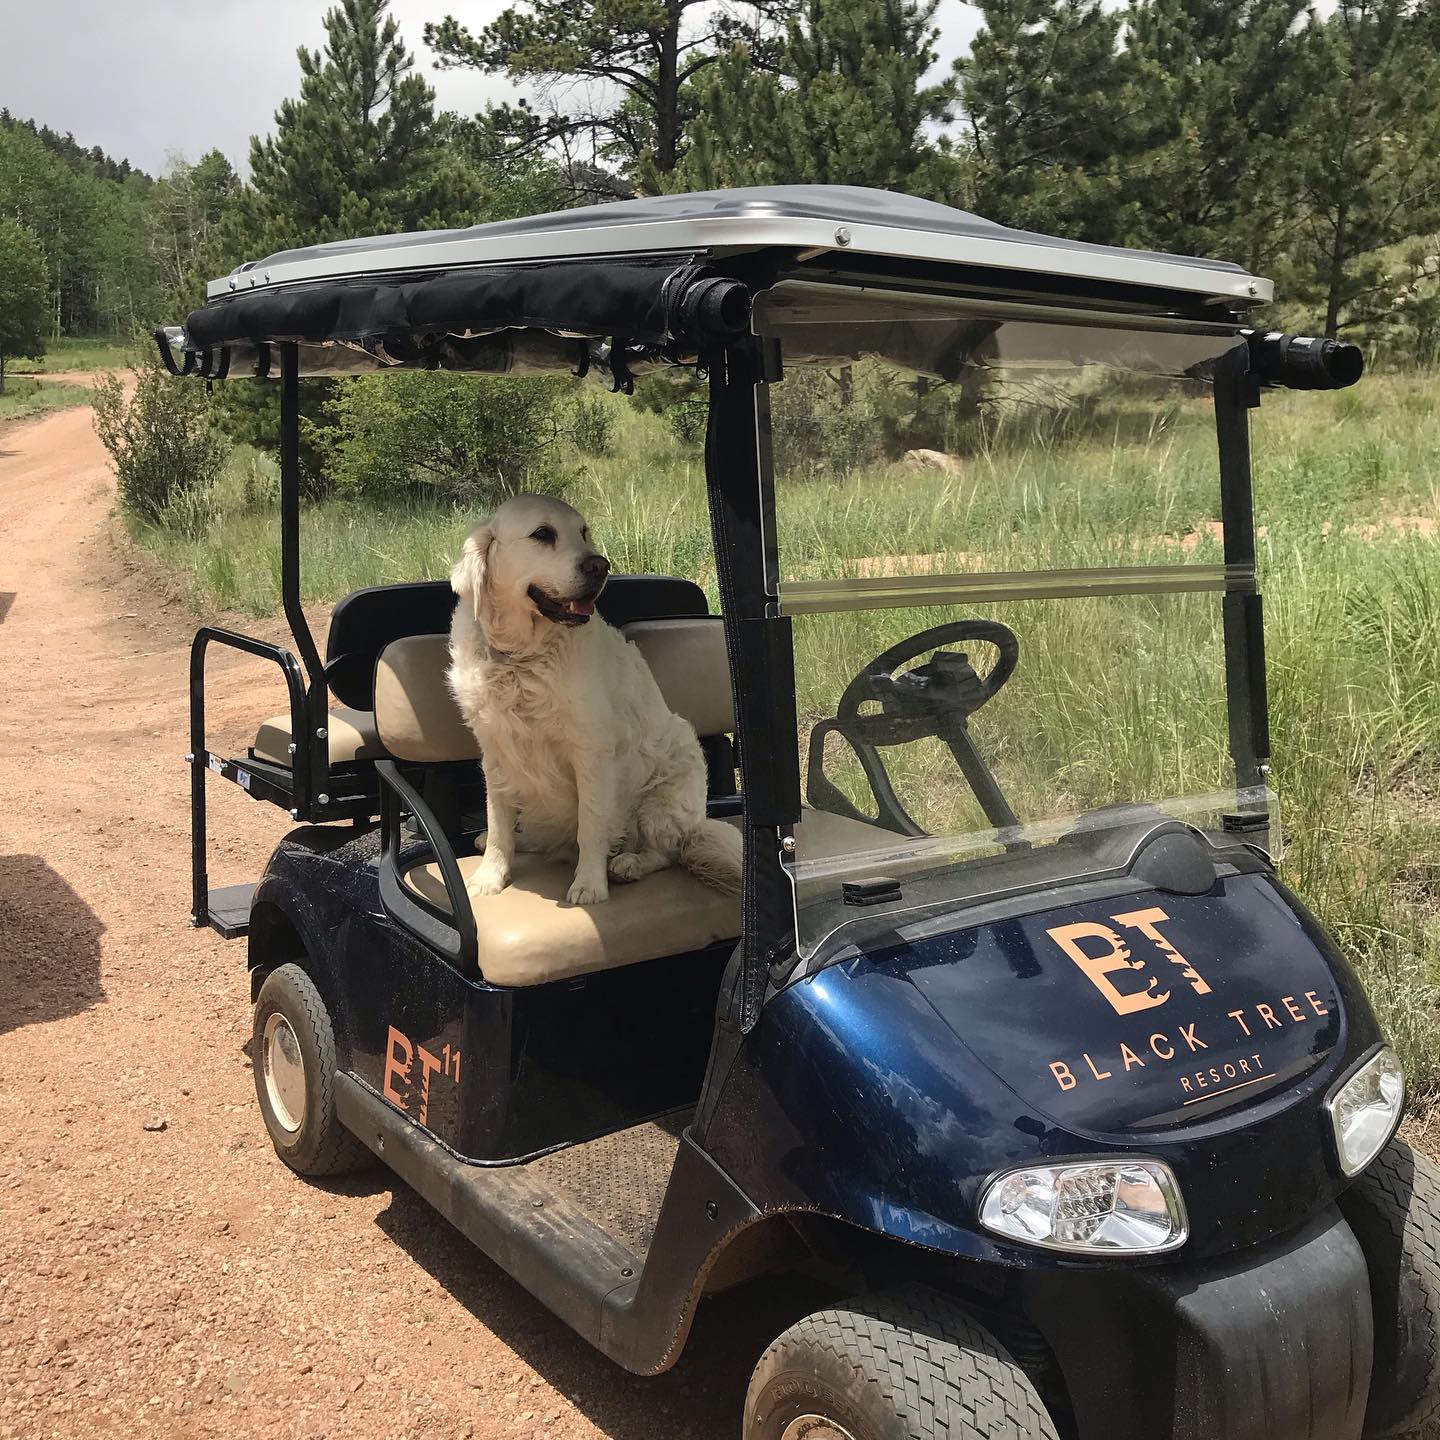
[(352, 736), (528, 934)]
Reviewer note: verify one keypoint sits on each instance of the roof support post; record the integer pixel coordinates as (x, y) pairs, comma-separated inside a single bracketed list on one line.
[(1237, 392), (316, 740), (741, 486)]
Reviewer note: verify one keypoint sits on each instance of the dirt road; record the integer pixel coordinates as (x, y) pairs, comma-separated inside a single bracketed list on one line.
[(160, 1272)]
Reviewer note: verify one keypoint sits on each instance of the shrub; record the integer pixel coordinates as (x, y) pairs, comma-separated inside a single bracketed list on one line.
[(592, 425), (687, 421), (820, 429), (458, 438), (166, 453)]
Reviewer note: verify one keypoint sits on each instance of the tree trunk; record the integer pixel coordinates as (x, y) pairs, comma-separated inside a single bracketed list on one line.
[(1333, 299), (2, 374), (667, 111)]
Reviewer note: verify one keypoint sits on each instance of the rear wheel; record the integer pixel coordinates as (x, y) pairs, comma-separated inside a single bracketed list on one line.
[(908, 1365), (1394, 1210), (294, 1058)]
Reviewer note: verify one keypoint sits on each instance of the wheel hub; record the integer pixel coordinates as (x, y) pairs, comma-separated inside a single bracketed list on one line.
[(815, 1427), (283, 1067)]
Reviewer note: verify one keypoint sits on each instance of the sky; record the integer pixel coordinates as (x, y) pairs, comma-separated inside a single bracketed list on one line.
[(145, 79)]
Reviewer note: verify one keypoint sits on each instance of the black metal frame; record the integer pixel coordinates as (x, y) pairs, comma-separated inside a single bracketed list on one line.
[(1237, 392), (200, 759), (449, 934), (305, 789)]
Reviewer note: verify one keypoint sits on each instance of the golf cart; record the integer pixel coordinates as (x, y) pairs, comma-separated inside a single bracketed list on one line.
[(1074, 1109)]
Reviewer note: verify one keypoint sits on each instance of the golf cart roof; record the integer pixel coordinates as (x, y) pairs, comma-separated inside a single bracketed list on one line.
[(815, 218), (675, 272)]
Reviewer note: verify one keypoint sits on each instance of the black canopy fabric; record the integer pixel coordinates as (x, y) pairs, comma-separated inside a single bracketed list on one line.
[(652, 301)]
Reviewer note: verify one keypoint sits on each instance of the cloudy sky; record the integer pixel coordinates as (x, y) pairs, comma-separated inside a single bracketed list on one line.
[(147, 78)]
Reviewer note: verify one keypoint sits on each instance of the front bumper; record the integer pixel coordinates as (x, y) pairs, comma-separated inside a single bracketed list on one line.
[(1272, 1343)]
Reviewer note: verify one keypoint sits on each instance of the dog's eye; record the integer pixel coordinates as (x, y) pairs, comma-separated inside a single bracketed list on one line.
[(585, 534), (545, 535)]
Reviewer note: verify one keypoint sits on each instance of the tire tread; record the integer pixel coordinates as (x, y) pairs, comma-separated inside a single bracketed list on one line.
[(1400, 1192), (941, 1373)]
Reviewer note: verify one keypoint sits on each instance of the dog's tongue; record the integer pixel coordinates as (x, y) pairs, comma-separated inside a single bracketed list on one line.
[(580, 607)]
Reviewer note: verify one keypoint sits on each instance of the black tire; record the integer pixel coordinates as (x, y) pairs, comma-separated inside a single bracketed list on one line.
[(311, 1142), (907, 1365), (1394, 1210)]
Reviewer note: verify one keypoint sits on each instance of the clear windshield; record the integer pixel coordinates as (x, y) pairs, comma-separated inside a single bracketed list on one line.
[(999, 540)]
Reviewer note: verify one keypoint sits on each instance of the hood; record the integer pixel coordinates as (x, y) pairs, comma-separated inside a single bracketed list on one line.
[(1141, 1014)]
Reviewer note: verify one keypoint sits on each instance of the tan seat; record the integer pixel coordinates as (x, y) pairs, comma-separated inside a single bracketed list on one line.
[(528, 934), (691, 666), (352, 736)]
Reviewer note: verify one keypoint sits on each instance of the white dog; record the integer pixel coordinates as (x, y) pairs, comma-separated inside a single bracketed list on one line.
[(580, 749)]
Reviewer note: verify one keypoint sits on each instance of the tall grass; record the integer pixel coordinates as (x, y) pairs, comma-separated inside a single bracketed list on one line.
[(80, 352), (25, 396), (1114, 698)]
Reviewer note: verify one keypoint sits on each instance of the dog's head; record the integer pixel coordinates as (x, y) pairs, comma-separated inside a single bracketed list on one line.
[(532, 561)]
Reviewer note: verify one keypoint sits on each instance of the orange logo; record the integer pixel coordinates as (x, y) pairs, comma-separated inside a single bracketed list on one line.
[(1099, 964)]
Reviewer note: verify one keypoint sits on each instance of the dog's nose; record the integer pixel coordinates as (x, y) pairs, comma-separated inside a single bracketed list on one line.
[(594, 568)]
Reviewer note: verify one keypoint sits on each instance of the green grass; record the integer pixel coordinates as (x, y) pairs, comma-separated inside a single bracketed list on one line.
[(25, 397), (79, 352), (1115, 698)]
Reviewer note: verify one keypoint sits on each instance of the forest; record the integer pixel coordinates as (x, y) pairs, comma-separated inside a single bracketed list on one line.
[(1304, 145)]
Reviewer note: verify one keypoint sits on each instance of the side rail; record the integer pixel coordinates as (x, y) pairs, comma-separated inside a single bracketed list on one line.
[(200, 758), (451, 935)]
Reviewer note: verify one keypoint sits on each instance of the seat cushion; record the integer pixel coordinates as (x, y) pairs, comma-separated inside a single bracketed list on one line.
[(528, 934), (352, 737)]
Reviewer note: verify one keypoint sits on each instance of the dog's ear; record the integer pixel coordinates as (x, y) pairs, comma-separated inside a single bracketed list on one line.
[(467, 579)]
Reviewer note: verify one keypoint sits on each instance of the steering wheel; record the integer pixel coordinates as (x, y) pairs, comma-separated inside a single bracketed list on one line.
[(935, 699)]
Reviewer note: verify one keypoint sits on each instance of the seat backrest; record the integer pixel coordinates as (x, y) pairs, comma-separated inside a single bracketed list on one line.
[(417, 719), (416, 716), (691, 665), (366, 621)]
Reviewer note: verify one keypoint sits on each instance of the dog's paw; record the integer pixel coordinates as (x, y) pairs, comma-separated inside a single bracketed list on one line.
[(626, 866), (588, 891), (488, 880)]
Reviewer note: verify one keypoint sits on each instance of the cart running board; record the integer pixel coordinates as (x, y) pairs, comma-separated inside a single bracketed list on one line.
[(637, 1313), (228, 910)]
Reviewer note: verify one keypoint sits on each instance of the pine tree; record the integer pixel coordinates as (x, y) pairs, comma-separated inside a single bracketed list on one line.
[(1224, 83), (846, 103), (361, 150), (1052, 108), (23, 294), (619, 75), (1369, 147)]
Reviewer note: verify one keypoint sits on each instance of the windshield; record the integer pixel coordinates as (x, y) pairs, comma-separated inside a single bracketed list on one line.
[(998, 538)]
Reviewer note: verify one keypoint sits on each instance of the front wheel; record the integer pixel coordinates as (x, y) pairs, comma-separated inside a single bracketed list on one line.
[(908, 1365), (1394, 1211)]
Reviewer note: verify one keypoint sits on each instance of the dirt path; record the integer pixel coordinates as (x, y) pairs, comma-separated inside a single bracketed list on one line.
[(180, 1281)]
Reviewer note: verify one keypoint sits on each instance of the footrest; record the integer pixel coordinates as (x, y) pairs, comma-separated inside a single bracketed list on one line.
[(229, 910)]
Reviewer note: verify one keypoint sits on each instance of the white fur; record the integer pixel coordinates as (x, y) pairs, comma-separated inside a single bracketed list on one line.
[(581, 751)]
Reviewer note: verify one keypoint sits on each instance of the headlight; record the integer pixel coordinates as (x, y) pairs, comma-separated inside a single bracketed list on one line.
[(1132, 1206), (1366, 1109)]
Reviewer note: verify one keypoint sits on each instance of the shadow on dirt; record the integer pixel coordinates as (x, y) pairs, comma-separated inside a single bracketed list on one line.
[(702, 1398), (49, 946)]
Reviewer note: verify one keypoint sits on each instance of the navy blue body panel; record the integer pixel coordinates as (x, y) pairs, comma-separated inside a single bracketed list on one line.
[(886, 1088), (494, 1074)]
